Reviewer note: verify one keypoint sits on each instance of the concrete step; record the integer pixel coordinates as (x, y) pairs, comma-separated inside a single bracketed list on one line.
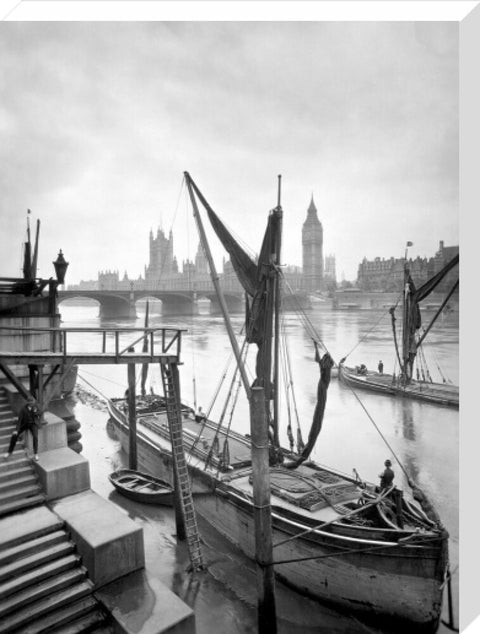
[(43, 590), (20, 505), (19, 493), (22, 481), (96, 622), (18, 452), (39, 574), (18, 621), (6, 431), (9, 419), (61, 620), (46, 555), (31, 546), (27, 525), (13, 474), (16, 461)]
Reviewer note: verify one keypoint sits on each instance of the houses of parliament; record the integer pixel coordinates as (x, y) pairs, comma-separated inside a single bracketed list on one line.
[(163, 271)]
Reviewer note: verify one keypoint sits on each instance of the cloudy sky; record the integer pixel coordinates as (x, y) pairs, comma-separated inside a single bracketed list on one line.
[(98, 122)]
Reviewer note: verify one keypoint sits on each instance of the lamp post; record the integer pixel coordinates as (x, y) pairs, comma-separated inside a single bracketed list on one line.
[(61, 266)]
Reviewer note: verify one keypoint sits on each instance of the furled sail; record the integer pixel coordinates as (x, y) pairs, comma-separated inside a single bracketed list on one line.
[(256, 279), (326, 363)]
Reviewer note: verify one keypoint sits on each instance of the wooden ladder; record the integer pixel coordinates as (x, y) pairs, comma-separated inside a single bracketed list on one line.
[(169, 372)]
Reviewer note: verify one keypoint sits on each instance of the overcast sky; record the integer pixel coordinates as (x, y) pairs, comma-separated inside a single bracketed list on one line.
[(98, 122)]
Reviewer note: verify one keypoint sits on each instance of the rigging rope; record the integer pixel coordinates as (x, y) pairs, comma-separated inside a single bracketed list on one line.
[(92, 386)]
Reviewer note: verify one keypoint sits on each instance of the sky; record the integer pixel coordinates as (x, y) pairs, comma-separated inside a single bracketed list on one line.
[(99, 120)]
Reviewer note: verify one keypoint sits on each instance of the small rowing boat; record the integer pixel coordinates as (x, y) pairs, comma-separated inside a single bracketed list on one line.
[(142, 487)]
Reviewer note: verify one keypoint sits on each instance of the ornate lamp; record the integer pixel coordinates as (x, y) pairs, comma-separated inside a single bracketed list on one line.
[(61, 266)]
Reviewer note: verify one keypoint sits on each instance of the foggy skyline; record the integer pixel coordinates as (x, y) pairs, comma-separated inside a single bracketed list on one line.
[(100, 120)]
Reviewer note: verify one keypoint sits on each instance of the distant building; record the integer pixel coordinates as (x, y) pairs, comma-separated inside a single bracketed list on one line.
[(312, 251), (330, 273), (388, 274)]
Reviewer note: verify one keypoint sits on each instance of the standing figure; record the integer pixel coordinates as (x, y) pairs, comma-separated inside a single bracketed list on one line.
[(386, 478), (28, 420), (380, 366), (200, 416)]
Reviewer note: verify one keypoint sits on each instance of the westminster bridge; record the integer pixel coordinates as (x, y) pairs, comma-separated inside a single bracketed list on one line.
[(121, 304)]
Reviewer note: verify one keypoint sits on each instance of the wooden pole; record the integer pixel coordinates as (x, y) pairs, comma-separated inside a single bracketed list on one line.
[(267, 622), (132, 418), (278, 302)]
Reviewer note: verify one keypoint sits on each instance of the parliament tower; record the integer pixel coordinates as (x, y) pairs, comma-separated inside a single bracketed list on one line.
[(312, 247)]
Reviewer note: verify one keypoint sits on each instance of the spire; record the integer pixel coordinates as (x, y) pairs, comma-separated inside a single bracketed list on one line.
[(312, 210)]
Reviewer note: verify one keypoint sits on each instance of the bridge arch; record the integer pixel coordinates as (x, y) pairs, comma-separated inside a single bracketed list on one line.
[(112, 305)]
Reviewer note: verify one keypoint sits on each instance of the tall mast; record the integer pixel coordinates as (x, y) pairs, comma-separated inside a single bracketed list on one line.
[(35, 251), (278, 299), (215, 280)]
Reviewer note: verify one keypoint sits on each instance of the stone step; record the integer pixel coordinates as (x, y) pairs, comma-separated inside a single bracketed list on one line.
[(32, 546), (18, 493), (20, 566), (18, 452), (39, 574), (6, 431), (42, 590), (22, 481), (21, 505), (26, 525), (18, 621), (64, 619), (17, 460), (95, 621), (13, 474), (7, 419)]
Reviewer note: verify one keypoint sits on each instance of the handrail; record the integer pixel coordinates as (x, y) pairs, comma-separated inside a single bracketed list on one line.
[(169, 337)]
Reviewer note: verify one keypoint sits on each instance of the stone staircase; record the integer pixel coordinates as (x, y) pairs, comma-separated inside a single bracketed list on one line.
[(43, 585), (19, 486)]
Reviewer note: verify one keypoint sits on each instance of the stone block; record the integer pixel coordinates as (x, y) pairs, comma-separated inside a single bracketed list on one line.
[(51, 435), (109, 542), (62, 472), (140, 603)]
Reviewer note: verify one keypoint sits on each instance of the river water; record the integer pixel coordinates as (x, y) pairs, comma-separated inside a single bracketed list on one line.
[(360, 431)]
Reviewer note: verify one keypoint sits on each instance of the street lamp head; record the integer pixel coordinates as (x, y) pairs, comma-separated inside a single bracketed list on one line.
[(61, 266)]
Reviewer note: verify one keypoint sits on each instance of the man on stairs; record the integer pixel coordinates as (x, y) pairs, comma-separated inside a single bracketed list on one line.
[(28, 420)]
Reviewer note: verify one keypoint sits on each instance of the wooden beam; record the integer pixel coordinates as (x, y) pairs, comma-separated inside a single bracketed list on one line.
[(132, 418), (14, 381)]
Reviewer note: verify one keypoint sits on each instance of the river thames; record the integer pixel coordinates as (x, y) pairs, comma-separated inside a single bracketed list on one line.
[(423, 437)]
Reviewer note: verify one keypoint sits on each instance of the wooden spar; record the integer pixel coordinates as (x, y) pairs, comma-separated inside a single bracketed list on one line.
[(435, 317), (145, 349), (262, 513), (35, 251), (132, 418), (278, 247), (214, 275)]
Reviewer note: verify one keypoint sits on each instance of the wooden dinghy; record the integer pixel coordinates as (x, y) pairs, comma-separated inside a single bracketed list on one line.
[(142, 487)]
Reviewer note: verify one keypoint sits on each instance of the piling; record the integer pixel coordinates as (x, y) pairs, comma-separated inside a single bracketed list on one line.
[(267, 621)]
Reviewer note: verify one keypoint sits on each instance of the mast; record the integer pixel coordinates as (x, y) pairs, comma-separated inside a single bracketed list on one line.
[(35, 251), (278, 299), (405, 324), (215, 280)]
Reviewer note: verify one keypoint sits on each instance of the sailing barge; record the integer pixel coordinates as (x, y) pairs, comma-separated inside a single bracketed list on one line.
[(405, 385), (336, 538)]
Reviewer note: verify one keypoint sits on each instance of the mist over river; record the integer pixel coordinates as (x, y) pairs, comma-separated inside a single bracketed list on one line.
[(424, 437)]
